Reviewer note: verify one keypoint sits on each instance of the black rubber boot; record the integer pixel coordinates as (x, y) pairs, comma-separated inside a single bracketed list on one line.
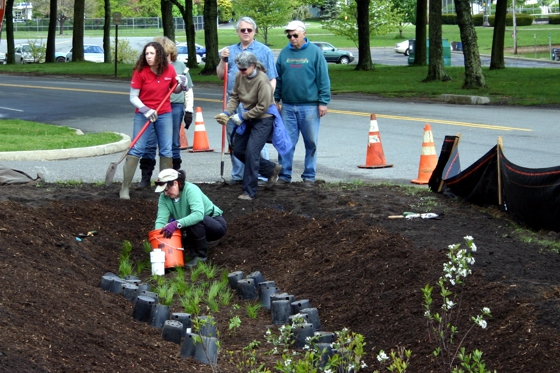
[(177, 163), (201, 252), (147, 167)]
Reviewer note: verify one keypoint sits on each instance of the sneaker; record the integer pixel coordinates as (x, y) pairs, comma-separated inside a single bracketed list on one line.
[(281, 181), (308, 183), (233, 182), (273, 176), (245, 197), (195, 261), (211, 244)]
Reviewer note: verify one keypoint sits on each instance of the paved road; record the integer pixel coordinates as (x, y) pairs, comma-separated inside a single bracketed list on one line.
[(530, 134)]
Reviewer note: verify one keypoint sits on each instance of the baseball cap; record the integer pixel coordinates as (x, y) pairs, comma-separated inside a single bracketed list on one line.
[(292, 26), (164, 177)]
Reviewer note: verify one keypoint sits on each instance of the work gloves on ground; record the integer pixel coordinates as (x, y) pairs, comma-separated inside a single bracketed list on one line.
[(237, 119), (187, 119), (150, 114), (183, 82), (168, 230), (222, 118)]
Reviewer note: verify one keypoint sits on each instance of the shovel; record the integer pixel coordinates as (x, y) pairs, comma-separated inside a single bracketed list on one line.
[(110, 175), (224, 104)]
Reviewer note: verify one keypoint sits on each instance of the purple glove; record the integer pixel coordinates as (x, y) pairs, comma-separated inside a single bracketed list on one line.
[(168, 230)]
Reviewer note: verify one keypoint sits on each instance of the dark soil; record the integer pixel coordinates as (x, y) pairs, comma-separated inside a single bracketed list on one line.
[(330, 244)]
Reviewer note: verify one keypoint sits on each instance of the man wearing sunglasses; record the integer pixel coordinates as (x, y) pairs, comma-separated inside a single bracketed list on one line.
[(200, 221), (246, 31), (303, 85)]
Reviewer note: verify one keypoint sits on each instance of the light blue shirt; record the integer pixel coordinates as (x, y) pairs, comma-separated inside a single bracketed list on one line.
[(263, 54)]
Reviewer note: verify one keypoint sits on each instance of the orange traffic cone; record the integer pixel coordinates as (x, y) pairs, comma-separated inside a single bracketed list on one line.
[(428, 158), (200, 142), (184, 139), (374, 157)]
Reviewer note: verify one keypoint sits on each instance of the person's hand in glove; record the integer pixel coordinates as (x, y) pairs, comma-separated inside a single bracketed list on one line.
[(237, 119), (222, 118), (168, 230), (150, 114), (187, 119), (183, 82)]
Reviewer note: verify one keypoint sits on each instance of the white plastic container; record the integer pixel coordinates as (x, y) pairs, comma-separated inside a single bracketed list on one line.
[(157, 257)]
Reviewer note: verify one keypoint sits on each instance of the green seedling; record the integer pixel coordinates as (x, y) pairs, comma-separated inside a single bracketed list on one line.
[(253, 309)]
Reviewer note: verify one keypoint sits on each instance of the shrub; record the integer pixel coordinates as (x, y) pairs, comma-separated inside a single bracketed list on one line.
[(449, 19), (521, 20), (554, 19), (478, 19), (125, 52)]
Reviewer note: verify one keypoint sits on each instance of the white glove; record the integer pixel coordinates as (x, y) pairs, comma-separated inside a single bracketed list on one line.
[(237, 119), (150, 114), (183, 82)]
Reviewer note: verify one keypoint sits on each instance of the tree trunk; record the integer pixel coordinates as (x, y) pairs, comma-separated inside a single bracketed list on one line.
[(78, 31), (497, 59), (436, 70), (211, 37), (473, 69), (364, 52), (10, 57), (167, 19), (420, 42), (186, 12), (51, 35), (107, 31)]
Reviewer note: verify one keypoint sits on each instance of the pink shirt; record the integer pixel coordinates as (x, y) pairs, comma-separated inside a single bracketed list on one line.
[(153, 88)]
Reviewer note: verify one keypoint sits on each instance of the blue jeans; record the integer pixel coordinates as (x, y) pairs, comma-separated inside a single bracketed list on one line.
[(162, 129), (304, 119), (237, 167), (177, 111)]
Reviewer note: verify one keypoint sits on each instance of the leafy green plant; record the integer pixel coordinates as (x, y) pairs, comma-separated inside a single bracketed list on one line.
[(253, 309), (208, 269), (125, 264), (125, 53), (165, 292), (234, 324), (397, 362), (440, 324)]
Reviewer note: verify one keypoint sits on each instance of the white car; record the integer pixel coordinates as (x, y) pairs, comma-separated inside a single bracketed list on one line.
[(23, 53), (183, 54), (403, 47), (2, 58), (92, 53)]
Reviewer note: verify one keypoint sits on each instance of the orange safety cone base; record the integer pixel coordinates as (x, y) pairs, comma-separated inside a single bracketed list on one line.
[(183, 139), (199, 151), (376, 166)]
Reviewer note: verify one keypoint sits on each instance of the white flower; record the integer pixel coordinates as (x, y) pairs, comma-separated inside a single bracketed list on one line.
[(468, 238), (268, 332), (448, 304), (486, 310), (473, 247), (287, 362), (328, 371), (364, 365), (452, 282), (482, 324), (382, 356), (427, 314)]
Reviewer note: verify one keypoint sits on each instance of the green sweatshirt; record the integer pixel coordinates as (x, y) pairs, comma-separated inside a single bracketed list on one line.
[(189, 209)]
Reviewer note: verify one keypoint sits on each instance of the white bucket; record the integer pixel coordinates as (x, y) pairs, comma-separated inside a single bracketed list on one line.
[(157, 257)]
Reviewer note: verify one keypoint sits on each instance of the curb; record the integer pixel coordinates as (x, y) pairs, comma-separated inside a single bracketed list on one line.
[(464, 100), (57, 154)]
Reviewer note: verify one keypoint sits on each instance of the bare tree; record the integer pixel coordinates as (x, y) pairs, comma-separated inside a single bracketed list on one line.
[(187, 14), (498, 39), (436, 70), (51, 36), (473, 69), (78, 31), (210, 38), (420, 43), (365, 62)]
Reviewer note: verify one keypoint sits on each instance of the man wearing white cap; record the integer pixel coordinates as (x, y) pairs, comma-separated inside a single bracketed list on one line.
[(189, 210), (304, 87)]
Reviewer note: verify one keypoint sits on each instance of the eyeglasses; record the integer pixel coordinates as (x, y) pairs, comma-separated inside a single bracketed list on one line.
[(243, 70), (246, 30), (295, 36), (162, 183)]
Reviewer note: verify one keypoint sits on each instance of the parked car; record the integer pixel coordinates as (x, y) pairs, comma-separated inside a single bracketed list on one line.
[(183, 51), (403, 47), (23, 53), (60, 56), (92, 53), (333, 54), (200, 50), (2, 58)]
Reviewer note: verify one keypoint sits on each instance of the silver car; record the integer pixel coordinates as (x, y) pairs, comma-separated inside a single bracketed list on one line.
[(24, 54)]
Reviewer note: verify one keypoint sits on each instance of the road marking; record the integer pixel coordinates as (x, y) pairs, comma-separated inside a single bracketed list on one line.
[(356, 113), (7, 108)]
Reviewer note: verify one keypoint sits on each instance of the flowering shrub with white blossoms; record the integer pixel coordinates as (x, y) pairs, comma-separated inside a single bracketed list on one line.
[(439, 323)]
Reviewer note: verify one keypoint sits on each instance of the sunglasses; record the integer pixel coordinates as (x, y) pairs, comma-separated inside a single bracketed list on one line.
[(246, 30), (162, 183), (295, 36)]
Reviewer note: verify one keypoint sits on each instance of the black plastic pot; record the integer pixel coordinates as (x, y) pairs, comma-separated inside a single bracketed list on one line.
[(301, 333), (325, 337), (143, 287), (117, 285), (280, 310), (246, 289), (107, 281), (302, 317), (325, 351), (184, 318), (207, 326), (172, 331), (130, 292), (313, 314), (265, 293), (257, 277), (298, 305), (150, 294), (143, 308), (207, 351), (188, 346), (160, 314), (233, 277)]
